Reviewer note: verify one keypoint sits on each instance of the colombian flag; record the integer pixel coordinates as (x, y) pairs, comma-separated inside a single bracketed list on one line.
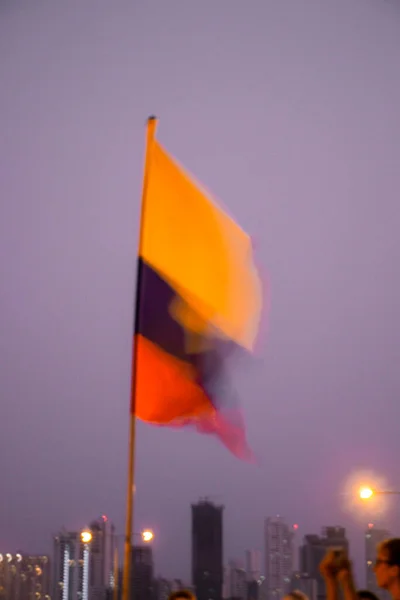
[(198, 299)]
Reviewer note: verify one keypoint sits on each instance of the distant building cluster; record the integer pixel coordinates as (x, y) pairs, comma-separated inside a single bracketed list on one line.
[(85, 564), (23, 577)]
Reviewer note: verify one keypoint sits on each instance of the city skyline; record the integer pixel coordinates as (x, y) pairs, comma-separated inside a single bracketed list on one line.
[(356, 540), (250, 560), (288, 112), (83, 562)]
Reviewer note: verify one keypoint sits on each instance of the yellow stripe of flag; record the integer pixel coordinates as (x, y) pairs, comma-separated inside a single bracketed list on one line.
[(200, 251)]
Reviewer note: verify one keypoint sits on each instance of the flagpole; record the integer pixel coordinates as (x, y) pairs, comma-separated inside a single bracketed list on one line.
[(151, 129), (116, 574)]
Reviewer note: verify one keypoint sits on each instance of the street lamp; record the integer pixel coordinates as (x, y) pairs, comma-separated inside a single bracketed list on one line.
[(86, 536), (366, 493), (147, 536)]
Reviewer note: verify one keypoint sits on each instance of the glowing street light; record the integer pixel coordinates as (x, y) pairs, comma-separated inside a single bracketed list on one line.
[(147, 536), (86, 536), (366, 493)]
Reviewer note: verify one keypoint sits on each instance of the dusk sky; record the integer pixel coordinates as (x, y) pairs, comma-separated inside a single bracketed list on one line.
[(288, 110)]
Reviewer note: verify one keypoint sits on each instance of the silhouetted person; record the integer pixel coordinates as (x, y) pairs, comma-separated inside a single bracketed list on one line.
[(387, 567), (366, 595), (296, 595), (182, 595)]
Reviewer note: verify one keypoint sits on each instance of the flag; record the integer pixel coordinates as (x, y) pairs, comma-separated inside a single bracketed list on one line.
[(198, 300)]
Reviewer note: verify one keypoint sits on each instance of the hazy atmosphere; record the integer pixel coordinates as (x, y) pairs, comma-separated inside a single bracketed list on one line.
[(288, 110)]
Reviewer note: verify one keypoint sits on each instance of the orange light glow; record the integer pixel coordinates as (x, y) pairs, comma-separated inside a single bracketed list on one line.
[(147, 535), (366, 493), (86, 537)]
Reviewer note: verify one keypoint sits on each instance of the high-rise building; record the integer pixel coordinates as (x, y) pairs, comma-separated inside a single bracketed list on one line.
[(235, 584), (23, 577), (314, 549), (373, 537), (253, 573), (305, 584), (71, 567), (253, 590), (253, 565), (83, 567), (226, 583), (101, 558), (207, 550), (142, 582), (162, 588), (279, 555), (262, 588)]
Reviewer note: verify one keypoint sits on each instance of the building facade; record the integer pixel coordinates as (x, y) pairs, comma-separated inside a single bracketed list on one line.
[(373, 537), (83, 567), (304, 583), (253, 565), (235, 584), (279, 557), (162, 588), (70, 563), (253, 590), (207, 550), (142, 573), (313, 550), (101, 576)]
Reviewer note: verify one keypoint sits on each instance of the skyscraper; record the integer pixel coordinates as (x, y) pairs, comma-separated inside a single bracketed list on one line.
[(304, 583), (71, 567), (279, 555), (253, 565), (162, 588), (101, 558), (253, 591), (207, 550), (142, 584), (373, 537), (235, 584), (83, 568), (314, 549)]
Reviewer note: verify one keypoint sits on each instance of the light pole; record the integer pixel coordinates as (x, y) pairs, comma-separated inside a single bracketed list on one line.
[(146, 536), (366, 493)]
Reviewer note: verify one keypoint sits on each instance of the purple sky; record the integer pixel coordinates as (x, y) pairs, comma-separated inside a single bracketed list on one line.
[(289, 111)]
